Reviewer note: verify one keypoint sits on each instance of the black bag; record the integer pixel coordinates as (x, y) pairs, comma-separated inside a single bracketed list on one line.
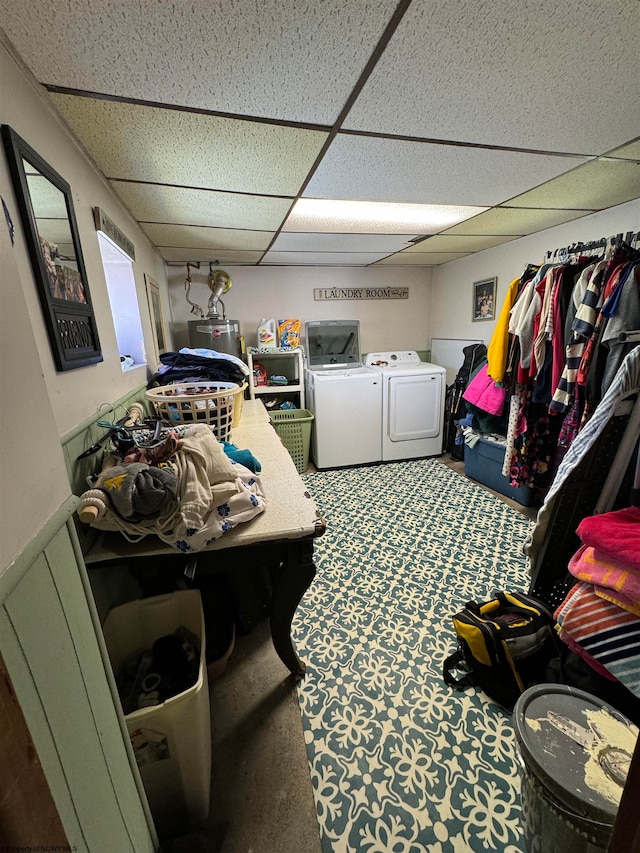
[(504, 646), (454, 407)]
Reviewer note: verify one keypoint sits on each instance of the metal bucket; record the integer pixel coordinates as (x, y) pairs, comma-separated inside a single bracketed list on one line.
[(575, 752), (219, 335)]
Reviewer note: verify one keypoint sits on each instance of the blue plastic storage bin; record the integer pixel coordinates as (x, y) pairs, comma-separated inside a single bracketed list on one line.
[(483, 462)]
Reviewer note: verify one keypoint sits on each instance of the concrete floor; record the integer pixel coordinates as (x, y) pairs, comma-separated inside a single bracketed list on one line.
[(262, 799), (261, 795)]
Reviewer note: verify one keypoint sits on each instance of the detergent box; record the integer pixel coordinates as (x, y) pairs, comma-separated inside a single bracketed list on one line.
[(289, 333)]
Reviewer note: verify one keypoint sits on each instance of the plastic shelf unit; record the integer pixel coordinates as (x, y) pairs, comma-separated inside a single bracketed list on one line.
[(278, 362)]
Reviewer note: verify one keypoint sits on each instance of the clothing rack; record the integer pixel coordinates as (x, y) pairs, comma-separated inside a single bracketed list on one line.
[(604, 243)]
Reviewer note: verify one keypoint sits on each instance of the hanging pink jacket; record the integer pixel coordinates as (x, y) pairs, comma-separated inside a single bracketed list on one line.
[(483, 392)]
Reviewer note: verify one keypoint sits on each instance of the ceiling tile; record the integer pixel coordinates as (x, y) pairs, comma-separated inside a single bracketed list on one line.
[(515, 221), (454, 89), (312, 242), (420, 259), (211, 238), (174, 147), (630, 151), (220, 258), (57, 231), (490, 73), (321, 259), (368, 168), (276, 58), (47, 199), (445, 243), (150, 203), (600, 184)]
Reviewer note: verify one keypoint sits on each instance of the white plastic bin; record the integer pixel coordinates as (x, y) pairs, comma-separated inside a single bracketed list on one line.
[(171, 741)]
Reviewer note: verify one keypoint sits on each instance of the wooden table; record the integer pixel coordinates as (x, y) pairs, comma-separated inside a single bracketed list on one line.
[(282, 536)]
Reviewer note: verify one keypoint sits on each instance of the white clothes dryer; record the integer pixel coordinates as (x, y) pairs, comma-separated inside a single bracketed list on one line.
[(413, 393), (344, 396)]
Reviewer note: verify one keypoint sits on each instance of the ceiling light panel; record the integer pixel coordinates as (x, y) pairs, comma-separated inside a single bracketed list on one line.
[(278, 59), (214, 238), (360, 167), (600, 184), (173, 147), (151, 203), (321, 259), (204, 255), (515, 221), (361, 217), (564, 78), (444, 243), (312, 242)]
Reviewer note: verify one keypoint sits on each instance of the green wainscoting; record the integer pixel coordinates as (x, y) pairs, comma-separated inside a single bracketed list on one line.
[(54, 650)]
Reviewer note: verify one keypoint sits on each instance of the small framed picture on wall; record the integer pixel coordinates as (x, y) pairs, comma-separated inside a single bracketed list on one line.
[(157, 318), (484, 299)]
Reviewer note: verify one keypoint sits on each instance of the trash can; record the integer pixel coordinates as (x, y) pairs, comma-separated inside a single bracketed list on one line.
[(171, 740), (575, 752)]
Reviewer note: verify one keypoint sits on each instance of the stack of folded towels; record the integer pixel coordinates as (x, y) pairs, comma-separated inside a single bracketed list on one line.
[(600, 617)]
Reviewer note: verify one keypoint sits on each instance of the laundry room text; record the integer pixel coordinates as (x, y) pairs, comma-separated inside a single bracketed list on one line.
[(321, 294)]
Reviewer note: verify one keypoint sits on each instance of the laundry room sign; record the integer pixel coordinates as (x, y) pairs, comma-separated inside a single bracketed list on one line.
[(323, 294)]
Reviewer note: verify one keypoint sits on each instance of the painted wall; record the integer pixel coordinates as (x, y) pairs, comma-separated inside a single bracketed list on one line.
[(75, 394), (440, 299), (282, 292), (32, 471), (40, 406), (452, 283)]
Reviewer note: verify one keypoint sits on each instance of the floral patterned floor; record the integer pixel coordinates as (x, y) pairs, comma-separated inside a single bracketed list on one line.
[(399, 762)]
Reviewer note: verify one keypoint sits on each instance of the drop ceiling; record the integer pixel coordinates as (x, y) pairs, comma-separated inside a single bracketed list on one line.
[(210, 120)]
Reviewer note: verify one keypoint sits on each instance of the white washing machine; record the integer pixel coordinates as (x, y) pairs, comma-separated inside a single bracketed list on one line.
[(413, 394), (344, 396)]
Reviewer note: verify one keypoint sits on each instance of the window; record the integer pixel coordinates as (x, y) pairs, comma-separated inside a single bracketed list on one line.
[(118, 271)]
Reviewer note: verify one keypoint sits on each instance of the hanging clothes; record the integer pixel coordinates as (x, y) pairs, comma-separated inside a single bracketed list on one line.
[(585, 298), (626, 383), (620, 312), (550, 349), (499, 343), (626, 317), (568, 329)]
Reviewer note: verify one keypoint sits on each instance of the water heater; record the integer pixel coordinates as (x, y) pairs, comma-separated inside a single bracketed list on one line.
[(217, 334), (213, 331)]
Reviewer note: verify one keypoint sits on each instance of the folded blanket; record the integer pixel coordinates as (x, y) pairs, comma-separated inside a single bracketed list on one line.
[(616, 534), (180, 367), (612, 579), (605, 631), (568, 640)]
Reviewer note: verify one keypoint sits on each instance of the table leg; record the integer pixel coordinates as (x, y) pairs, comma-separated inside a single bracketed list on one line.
[(293, 579)]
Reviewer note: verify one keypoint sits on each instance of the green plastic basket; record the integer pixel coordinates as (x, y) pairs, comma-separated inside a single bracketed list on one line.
[(294, 428)]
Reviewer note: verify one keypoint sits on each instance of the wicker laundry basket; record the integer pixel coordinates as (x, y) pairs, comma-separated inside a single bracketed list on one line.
[(218, 404)]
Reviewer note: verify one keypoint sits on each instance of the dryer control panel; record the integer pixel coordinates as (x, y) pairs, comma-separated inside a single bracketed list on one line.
[(401, 358)]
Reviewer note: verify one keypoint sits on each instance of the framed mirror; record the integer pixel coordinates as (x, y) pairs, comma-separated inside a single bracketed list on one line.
[(51, 233)]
